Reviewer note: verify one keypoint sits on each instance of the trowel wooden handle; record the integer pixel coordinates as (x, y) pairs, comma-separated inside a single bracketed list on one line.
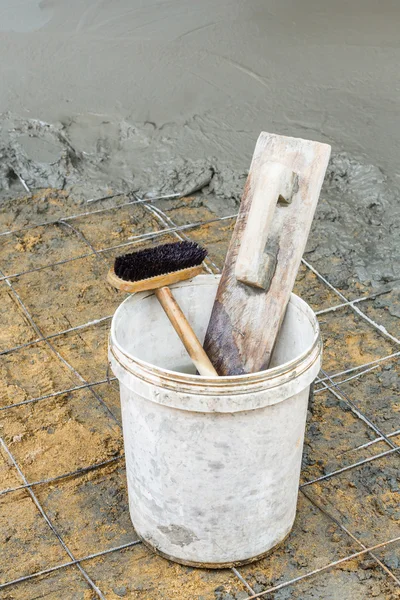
[(185, 332), (254, 266)]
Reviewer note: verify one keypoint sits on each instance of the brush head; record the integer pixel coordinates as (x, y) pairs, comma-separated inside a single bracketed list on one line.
[(161, 260)]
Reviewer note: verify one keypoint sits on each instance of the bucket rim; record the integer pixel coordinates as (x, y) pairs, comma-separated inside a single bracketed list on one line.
[(230, 383)]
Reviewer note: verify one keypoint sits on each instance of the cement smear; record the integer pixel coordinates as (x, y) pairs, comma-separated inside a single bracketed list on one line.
[(356, 228)]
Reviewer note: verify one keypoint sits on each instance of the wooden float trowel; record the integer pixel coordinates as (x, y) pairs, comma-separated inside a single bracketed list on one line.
[(274, 220)]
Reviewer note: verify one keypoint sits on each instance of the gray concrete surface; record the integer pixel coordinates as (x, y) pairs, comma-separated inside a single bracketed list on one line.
[(219, 72)]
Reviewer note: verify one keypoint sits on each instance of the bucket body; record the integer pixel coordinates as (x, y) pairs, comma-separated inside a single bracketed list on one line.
[(213, 464)]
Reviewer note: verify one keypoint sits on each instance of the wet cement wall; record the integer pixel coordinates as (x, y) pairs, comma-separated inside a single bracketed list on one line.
[(217, 71)]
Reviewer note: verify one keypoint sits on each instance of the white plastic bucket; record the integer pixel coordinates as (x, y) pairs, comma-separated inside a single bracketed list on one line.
[(213, 464)]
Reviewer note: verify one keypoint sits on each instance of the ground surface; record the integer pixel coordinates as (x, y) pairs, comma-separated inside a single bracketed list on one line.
[(208, 76), (60, 416)]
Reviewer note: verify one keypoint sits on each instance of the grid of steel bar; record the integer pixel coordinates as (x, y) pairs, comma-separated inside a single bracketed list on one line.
[(331, 382)]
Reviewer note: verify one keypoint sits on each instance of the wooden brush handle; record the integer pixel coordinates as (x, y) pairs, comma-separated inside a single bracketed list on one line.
[(185, 332)]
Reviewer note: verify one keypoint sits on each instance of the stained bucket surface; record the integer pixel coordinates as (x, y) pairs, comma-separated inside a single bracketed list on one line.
[(213, 464)]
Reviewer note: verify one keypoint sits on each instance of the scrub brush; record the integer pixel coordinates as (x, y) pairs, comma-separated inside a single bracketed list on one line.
[(156, 269)]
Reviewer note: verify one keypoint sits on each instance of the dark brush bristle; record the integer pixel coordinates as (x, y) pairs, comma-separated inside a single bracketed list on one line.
[(160, 260)]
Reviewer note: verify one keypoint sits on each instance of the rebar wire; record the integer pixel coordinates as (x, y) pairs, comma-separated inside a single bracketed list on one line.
[(87, 213), (50, 524), (69, 564), (352, 536), (177, 230), (169, 222), (380, 328), (81, 471), (308, 265), (55, 394), (144, 201), (132, 242), (110, 197), (336, 307), (324, 387), (375, 441), (53, 349), (84, 239), (57, 334), (24, 184), (242, 579), (352, 369), (335, 563), (349, 467), (341, 395), (86, 469)]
